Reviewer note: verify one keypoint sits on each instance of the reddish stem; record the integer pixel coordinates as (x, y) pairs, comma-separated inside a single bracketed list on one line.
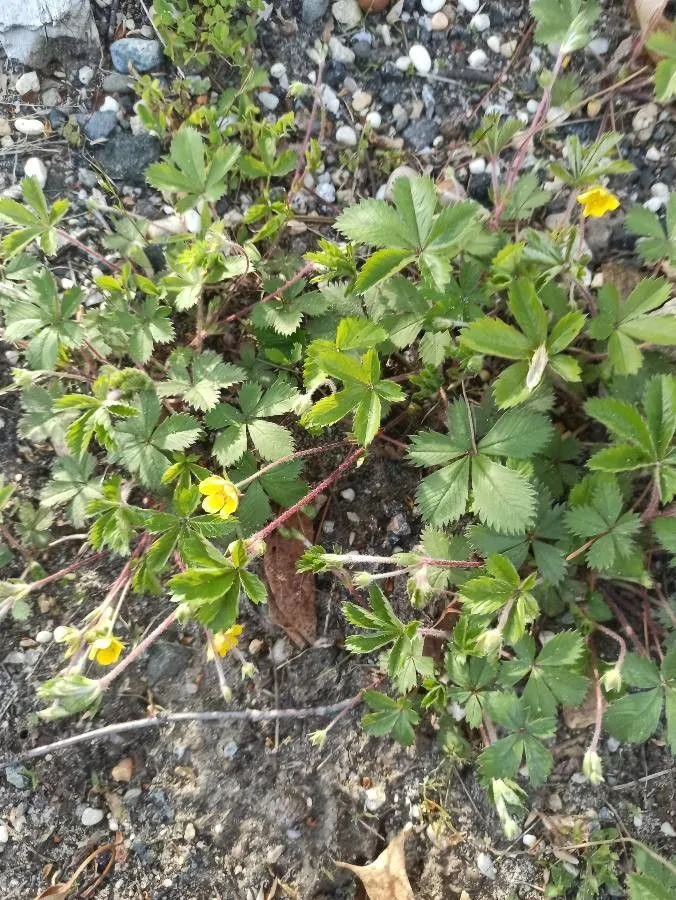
[(88, 250), (308, 498), (300, 168), (73, 567), (147, 641), (301, 273)]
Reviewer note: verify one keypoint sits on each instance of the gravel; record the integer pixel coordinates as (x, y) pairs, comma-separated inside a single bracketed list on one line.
[(28, 83), (346, 136), (313, 10), (421, 134), (34, 167), (421, 59), (139, 53), (125, 156)]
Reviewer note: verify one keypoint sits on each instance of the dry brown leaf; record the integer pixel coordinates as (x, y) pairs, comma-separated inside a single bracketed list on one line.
[(650, 17), (292, 600), (59, 890), (124, 770), (577, 717), (386, 878)]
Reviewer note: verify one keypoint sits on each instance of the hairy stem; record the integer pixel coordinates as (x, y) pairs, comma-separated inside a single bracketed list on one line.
[(73, 567), (299, 454), (140, 648)]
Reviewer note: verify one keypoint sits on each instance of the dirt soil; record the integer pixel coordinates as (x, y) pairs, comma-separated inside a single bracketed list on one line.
[(254, 811)]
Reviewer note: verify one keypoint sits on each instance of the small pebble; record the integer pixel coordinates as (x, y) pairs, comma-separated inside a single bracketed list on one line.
[(439, 22), (328, 527), (532, 106), (470, 5), (668, 829), (613, 745), (348, 494), (660, 189), (485, 865), (190, 833), (51, 97), (477, 59), (432, 6), (402, 63), (347, 13), (598, 46), (347, 136), (29, 127), (278, 70), (375, 798), (477, 166), (42, 637), (268, 100), (361, 101), (374, 119), (508, 49), (654, 204), (4, 833), (494, 43), (34, 167), (91, 816), (529, 840), (274, 855), (85, 75), (644, 120), (420, 58), (339, 52), (326, 191), (652, 154), (480, 22), (28, 83)]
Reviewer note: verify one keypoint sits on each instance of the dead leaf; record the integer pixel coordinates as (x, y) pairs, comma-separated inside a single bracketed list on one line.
[(124, 770), (583, 716), (56, 890), (650, 17), (386, 878), (292, 601)]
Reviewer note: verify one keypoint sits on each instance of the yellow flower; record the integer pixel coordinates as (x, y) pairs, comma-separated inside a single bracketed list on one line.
[(225, 641), (597, 201), (221, 496), (106, 650)]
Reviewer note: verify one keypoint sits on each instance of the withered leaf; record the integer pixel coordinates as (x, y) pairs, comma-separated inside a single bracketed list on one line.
[(386, 878), (292, 598)]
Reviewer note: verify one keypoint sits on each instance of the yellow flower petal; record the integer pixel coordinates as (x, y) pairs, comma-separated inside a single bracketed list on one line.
[(106, 650), (212, 485), (597, 201), (230, 500), (212, 503), (225, 641)]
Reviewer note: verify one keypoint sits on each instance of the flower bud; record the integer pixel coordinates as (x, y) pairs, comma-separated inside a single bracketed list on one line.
[(592, 768), (612, 679)]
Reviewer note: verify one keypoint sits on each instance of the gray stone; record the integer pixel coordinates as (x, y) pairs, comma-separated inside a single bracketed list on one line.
[(143, 55), (35, 32), (166, 660), (597, 235), (421, 134), (126, 156), (313, 10), (99, 124), (398, 526), (116, 83)]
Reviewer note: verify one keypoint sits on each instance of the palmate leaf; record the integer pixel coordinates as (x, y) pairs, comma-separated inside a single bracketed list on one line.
[(35, 220), (564, 22), (654, 242), (501, 496), (387, 716), (503, 758), (602, 519), (199, 378), (237, 426), (553, 676), (145, 442), (187, 173), (72, 484)]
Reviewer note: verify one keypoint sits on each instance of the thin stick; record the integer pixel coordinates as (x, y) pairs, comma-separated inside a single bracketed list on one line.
[(211, 716), (73, 567), (299, 454), (307, 269)]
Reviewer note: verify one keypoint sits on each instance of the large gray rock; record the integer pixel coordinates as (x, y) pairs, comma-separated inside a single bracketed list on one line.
[(35, 32)]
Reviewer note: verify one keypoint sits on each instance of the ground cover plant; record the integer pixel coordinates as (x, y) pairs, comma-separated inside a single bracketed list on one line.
[(542, 413)]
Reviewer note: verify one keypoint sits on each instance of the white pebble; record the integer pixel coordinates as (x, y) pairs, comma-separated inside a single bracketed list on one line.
[(375, 798), (328, 527), (668, 829), (654, 204), (110, 104), (361, 101), (477, 166), (91, 816), (347, 136), (480, 22), (532, 106), (470, 5), (652, 154), (598, 46), (485, 865), (85, 75), (34, 167), (529, 840), (339, 52), (43, 637), (326, 191), (4, 833), (374, 119), (30, 127), (494, 43), (612, 743), (268, 100), (508, 49), (330, 100), (432, 6), (439, 22), (660, 189), (422, 62), (28, 83), (277, 70), (477, 59), (402, 63), (193, 221), (348, 494)]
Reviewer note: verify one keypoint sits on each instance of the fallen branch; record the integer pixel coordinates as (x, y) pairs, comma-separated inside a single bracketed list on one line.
[(214, 716)]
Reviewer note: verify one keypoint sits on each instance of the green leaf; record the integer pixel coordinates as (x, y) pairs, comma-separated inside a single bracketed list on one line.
[(376, 223), (493, 337), (519, 434), (634, 717), (72, 484), (395, 717), (442, 497), (502, 498), (528, 310), (381, 265), (622, 420), (199, 379)]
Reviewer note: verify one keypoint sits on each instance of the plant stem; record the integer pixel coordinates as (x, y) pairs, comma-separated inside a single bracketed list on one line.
[(615, 637), (300, 168), (88, 250), (598, 718), (212, 716), (299, 454), (517, 161), (73, 567), (307, 269), (140, 648), (308, 498)]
